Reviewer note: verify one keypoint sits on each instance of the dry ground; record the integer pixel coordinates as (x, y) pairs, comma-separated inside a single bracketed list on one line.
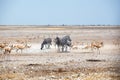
[(48, 64)]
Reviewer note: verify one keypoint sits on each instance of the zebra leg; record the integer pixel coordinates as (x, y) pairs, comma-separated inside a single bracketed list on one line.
[(66, 49), (58, 48), (62, 48), (55, 46), (48, 46)]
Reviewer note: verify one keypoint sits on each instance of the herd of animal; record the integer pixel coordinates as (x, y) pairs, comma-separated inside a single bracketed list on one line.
[(62, 44), (8, 47)]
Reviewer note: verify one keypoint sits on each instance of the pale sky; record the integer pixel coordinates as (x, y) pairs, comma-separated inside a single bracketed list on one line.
[(57, 12)]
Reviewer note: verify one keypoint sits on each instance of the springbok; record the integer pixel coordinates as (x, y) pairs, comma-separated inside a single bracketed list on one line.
[(75, 46), (6, 51), (21, 47), (3, 45), (86, 47), (96, 45), (116, 43)]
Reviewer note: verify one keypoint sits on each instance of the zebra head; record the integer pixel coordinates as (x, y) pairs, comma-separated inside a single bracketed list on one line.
[(69, 43)]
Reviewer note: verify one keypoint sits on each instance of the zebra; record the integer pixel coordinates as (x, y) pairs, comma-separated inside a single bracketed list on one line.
[(63, 42), (46, 42)]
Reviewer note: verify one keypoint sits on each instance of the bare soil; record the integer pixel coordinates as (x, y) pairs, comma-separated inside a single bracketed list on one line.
[(49, 64)]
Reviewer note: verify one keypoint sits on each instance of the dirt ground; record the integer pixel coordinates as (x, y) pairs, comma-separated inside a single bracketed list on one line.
[(49, 64)]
